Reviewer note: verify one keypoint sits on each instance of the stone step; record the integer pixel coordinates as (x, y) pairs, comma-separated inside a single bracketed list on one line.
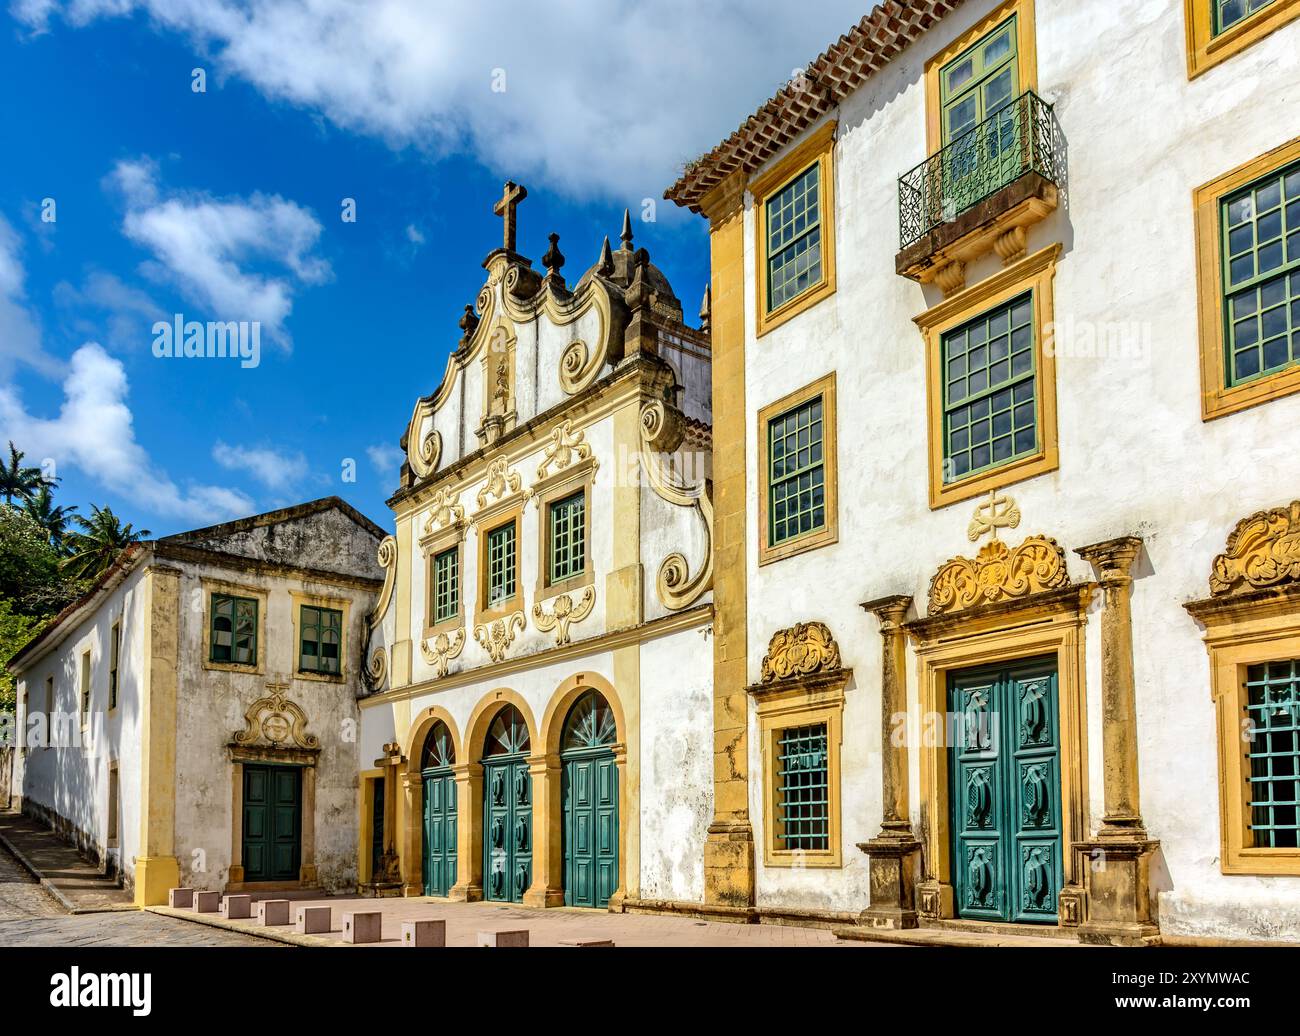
[(953, 936)]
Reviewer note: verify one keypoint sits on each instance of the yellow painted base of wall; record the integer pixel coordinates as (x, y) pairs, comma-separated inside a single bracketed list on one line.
[(155, 876)]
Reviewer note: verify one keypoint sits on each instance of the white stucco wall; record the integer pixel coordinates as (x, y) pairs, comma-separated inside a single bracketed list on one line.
[(1135, 457)]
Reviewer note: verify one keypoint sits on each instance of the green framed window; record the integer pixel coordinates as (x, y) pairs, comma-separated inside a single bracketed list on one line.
[(114, 651), (1273, 709), (568, 537), (797, 472), (321, 640), (794, 238), (1228, 13), (446, 584), (990, 412), (980, 82), (803, 788), (1260, 229), (234, 630), (502, 545)]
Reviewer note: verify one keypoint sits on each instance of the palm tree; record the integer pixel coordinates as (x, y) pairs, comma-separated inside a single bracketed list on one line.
[(54, 520), (97, 542), (21, 480)]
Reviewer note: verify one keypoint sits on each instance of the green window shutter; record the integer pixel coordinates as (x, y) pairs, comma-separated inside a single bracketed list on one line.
[(233, 635), (568, 539), (114, 650), (446, 584), (980, 82), (1273, 711), (501, 564), (794, 238), (1260, 232), (796, 472), (321, 640), (802, 788), (1228, 13), (990, 416)]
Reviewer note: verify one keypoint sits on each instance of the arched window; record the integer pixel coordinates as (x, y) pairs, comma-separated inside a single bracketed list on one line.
[(508, 734), (590, 724), (438, 749)]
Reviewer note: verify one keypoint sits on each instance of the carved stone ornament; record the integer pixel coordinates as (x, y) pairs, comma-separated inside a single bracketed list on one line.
[(277, 721), (499, 479), (565, 447), (802, 650), (1263, 551), (999, 511), (564, 612), (496, 637), (998, 573), (423, 452), (377, 669), (442, 650), (444, 510)]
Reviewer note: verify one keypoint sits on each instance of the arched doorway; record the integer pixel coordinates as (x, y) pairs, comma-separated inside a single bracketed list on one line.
[(507, 809), (437, 759), (590, 795)]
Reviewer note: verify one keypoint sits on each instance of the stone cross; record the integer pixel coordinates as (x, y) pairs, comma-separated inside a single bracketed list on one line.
[(511, 195), (997, 512)]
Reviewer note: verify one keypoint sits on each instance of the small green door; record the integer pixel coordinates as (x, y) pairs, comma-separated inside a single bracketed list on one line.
[(1005, 792), (507, 809), (376, 828), (439, 812), (272, 848), (590, 791)]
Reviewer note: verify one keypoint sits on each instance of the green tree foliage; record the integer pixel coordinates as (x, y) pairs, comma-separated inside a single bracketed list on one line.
[(15, 631), (97, 542)]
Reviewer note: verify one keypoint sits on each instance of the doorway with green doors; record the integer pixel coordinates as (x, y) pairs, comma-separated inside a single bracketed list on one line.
[(507, 809), (272, 823), (1004, 775), (589, 777), (439, 815)]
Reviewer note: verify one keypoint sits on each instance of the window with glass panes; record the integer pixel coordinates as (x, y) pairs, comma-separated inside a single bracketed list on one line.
[(989, 384), (446, 584), (1228, 13), (979, 83), (794, 238), (501, 547), (234, 630), (322, 639), (1273, 709), (797, 472), (802, 788), (114, 649), (1261, 272), (568, 518)]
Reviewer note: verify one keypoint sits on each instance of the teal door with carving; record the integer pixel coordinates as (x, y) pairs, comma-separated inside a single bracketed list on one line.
[(439, 811), (590, 792), (1004, 781), (507, 809), (272, 817)]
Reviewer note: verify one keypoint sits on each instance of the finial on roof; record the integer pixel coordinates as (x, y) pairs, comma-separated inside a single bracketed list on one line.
[(554, 258), (626, 236), (706, 307), (468, 323), (606, 265)]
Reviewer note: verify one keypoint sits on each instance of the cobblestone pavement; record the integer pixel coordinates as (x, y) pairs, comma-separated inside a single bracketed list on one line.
[(29, 916)]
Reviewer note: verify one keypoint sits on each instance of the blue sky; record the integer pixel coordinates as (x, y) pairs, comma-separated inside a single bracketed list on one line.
[(226, 205)]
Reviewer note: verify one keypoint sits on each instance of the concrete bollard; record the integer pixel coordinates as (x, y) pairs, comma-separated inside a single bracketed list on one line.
[(207, 902), (515, 938), (273, 912), (424, 933), (180, 899), (362, 925), (236, 908), (312, 920), (586, 942)]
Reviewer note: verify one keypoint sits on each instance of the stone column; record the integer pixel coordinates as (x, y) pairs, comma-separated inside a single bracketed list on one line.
[(547, 888), (469, 833), (413, 857), (895, 852), (1116, 864)]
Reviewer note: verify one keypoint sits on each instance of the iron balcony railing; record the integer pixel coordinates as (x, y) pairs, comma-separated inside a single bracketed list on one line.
[(1021, 138)]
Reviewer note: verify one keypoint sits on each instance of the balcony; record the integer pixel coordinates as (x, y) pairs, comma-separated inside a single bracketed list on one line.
[(980, 193)]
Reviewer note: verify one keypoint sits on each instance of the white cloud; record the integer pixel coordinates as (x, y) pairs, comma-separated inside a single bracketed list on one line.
[(208, 246), (414, 235), (599, 97), (20, 335), (386, 459), (273, 469), (94, 432), (104, 302)]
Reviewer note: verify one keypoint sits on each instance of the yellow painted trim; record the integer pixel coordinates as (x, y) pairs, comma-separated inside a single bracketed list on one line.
[(578, 477), (1027, 61), (625, 581), (1205, 50), (453, 537), (343, 604), (830, 532), (212, 586), (366, 822), (515, 602), (819, 148), (1035, 272), (1217, 400)]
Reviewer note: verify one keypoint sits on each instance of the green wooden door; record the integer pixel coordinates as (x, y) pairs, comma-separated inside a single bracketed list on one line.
[(590, 793), (1005, 792), (439, 812), (507, 810), (376, 828), (272, 849)]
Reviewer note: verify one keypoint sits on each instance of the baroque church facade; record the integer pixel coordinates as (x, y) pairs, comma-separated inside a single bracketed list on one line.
[(1005, 351)]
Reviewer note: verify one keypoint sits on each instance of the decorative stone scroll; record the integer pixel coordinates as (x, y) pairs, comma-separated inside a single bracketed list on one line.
[(423, 452), (998, 573), (565, 447), (495, 637), (804, 649), (1263, 551), (444, 510), (499, 480), (564, 612), (277, 721), (442, 650)]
